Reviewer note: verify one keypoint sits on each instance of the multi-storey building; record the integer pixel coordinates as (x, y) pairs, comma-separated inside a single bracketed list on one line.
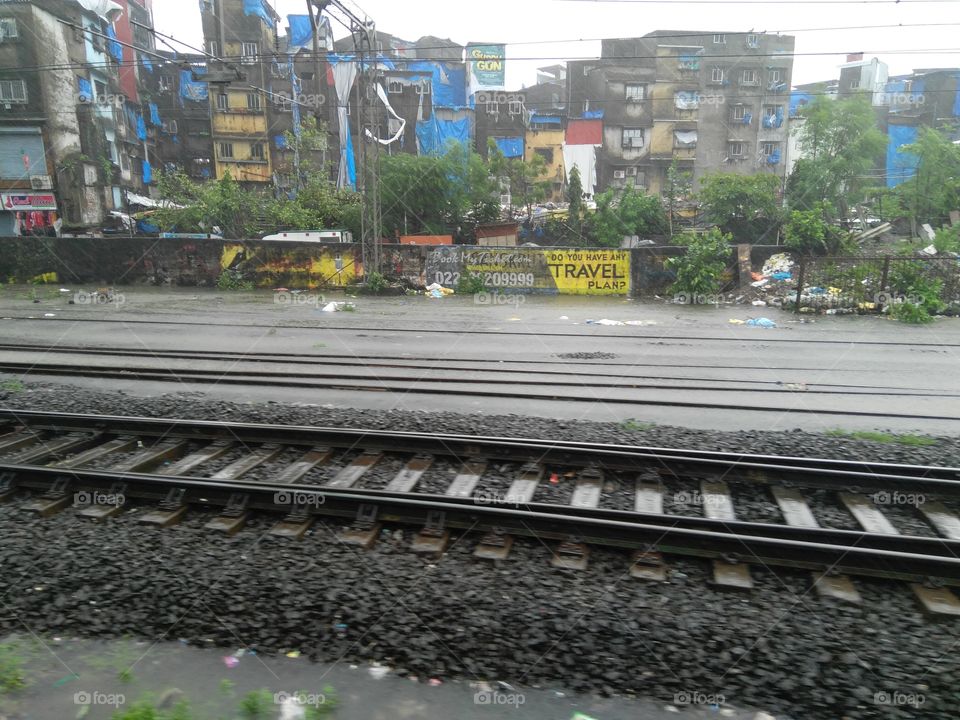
[(708, 101), (74, 139)]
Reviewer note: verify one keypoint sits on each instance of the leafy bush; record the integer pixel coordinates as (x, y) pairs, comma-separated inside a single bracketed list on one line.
[(699, 272), (947, 239), (233, 280), (922, 293), (376, 283), (470, 284), (629, 212), (808, 232)]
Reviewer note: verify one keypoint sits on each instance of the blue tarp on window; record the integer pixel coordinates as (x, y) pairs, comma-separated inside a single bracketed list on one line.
[(141, 127), (593, 115), (544, 119), (901, 166), (301, 32), (147, 63), (86, 90), (147, 173), (116, 49), (280, 141), (191, 89), (435, 136), (448, 83), (774, 157), (747, 118), (155, 115), (511, 147), (258, 8)]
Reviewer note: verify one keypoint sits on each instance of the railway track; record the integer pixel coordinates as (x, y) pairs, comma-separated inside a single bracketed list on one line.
[(739, 512), (572, 382)]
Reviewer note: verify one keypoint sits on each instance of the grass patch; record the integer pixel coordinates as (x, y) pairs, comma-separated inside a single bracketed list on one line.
[(882, 437), (12, 677), (12, 386), (257, 704), (632, 425)]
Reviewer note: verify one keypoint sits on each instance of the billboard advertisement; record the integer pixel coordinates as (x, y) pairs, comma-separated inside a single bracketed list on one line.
[(488, 67)]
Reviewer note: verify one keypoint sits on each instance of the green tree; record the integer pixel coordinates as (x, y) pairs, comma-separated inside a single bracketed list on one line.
[(575, 200), (527, 186), (626, 213), (207, 206), (842, 145), (699, 271), (930, 195), (807, 232), (677, 191), (744, 205)]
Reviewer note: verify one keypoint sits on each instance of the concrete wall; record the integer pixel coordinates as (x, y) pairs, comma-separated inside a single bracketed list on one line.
[(200, 263)]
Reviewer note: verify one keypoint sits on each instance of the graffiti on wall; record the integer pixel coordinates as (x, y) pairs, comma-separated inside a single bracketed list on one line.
[(534, 270), (299, 266)]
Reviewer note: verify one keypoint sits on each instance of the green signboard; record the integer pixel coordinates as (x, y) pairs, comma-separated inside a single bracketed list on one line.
[(488, 68)]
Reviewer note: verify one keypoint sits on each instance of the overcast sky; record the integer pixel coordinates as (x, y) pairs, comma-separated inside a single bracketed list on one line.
[(542, 22)]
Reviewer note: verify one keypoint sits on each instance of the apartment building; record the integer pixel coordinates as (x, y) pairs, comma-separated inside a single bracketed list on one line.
[(709, 101)]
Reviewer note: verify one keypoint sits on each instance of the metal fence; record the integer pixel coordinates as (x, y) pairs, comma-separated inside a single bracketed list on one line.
[(868, 284)]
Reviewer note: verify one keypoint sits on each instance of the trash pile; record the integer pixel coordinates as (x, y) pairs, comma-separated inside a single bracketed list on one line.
[(436, 290), (826, 301)]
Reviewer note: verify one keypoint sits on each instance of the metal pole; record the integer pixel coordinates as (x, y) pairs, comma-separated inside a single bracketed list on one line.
[(796, 308)]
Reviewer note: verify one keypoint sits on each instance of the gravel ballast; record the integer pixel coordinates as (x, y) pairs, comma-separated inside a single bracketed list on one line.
[(779, 647)]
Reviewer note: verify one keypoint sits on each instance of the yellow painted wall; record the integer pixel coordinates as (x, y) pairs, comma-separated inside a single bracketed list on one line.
[(550, 139), (237, 123), (661, 141), (294, 266), (590, 272)]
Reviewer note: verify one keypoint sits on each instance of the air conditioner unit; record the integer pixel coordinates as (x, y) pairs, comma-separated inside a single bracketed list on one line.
[(619, 174), (41, 182), (484, 97), (502, 98)]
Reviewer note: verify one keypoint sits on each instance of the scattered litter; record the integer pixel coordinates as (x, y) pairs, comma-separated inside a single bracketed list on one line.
[(737, 321), (276, 290), (293, 654), (761, 322), (554, 478), (581, 716), (928, 231), (759, 303), (564, 317), (434, 682), (815, 291), (779, 263), (230, 661), (338, 307), (605, 322), (929, 250), (760, 283), (757, 276), (640, 323), (49, 314), (436, 290), (796, 387), (782, 276), (378, 672), (64, 290)]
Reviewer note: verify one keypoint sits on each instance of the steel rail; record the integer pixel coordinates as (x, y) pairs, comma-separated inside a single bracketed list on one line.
[(897, 557), (764, 469)]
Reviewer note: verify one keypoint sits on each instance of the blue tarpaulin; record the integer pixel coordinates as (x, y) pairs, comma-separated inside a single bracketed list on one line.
[(155, 115), (544, 119), (351, 161), (301, 32), (774, 157), (147, 226), (956, 100), (901, 166), (448, 83), (115, 48), (747, 118), (773, 121), (511, 147), (895, 86), (797, 101), (141, 127), (147, 173), (297, 86), (192, 90), (435, 136), (147, 63), (86, 90), (258, 8), (593, 115), (280, 141)]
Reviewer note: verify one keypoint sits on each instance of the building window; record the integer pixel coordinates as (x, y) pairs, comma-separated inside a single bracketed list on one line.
[(124, 163), (775, 76), (394, 87), (635, 92), (545, 153), (8, 28), (249, 53), (515, 107), (769, 148), (213, 48), (223, 101), (226, 151), (737, 149), (740, 112), (633, 138), (253, 101), (772, 110), (753, 41), (854, 84), (719, 39), (749, 77), (257, 152), (13, 91), (716, 75), (166, 82)]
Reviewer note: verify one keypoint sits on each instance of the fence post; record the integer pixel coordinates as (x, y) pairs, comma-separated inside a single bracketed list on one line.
[(796, 307), (884, 278)]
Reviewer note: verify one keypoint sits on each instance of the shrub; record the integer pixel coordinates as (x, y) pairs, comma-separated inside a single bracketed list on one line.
[(699, 272), (233, 280), (470, 284), (376, 283)]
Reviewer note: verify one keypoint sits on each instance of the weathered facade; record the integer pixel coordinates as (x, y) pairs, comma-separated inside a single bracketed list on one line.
[(709, 102)]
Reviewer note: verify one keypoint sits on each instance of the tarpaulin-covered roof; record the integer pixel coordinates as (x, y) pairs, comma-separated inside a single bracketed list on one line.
[(584, 132), (901, 166), (511, 147)]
